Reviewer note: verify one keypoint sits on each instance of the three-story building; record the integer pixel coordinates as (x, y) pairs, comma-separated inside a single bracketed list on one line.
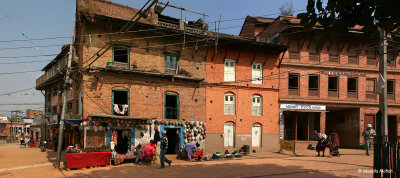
[(327, 84)]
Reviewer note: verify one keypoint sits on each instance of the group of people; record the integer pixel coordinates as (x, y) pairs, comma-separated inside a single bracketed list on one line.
[(145, 153), (29, 142), (192, 150), (333, 141)]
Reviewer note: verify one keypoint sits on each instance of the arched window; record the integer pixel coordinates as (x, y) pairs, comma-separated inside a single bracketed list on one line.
[(171, 106), (256, 105), (229, 104), (229, 134), (256, 135)]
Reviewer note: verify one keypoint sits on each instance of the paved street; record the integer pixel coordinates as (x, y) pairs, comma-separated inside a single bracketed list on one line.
[(23, 162)]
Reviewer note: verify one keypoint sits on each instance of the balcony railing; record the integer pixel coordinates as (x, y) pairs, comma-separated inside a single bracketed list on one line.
[(175, 26), (53, 71)]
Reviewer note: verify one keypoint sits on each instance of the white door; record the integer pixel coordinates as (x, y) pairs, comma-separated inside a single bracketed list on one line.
[(257, 73), (256, 135), (229, 70), (229, 135)]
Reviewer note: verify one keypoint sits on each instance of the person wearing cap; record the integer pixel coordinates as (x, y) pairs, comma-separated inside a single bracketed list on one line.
[(369, 135), (163, 147)]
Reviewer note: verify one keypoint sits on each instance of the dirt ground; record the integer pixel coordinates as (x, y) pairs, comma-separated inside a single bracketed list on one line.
[(30, 162)]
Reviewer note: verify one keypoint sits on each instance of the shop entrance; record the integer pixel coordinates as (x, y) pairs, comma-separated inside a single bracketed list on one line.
[(392, 129), (301, 125), (173, 140), (123, 142)]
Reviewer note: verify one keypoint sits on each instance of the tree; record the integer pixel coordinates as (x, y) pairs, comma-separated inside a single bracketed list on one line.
[(286, 9), (338, 16)]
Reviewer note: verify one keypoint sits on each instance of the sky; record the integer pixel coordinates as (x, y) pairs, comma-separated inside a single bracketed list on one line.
[(25, 23)]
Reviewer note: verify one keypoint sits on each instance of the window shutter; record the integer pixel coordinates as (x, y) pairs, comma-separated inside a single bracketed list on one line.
[(229, 70), (257, 106), (229, 105), (257, 73)]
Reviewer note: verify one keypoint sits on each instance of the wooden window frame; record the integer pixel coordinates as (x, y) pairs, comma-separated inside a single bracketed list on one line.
[(253, 106), (169, 69), (112, 102), (126, 64), (234, 103), (177, 104), (292, 90)]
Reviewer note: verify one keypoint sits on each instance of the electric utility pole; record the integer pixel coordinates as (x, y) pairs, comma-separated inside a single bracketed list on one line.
[(380, 158), (383, 95), (67, 84)]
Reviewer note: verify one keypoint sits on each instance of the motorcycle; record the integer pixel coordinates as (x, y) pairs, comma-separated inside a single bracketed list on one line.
[(44, 145)]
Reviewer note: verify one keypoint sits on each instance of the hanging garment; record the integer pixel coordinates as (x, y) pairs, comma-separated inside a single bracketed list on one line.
[(120, 108)]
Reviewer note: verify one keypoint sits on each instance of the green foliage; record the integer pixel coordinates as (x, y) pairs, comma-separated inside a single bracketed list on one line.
[(338, 16)]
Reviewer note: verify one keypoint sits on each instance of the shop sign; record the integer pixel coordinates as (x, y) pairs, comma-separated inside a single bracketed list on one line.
[(303, 107), (349, 74), (288, 145), (281, 126)]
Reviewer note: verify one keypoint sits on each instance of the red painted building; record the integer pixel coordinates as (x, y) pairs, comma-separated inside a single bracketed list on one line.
[(242, 106)]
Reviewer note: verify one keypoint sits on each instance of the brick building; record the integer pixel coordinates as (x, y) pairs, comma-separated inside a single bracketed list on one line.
[(150, 79), (242, 106), (30, 114), (332, 87)]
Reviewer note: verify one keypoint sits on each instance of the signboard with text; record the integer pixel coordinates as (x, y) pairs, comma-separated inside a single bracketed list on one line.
[(288, 145), (281, 126), (303, 107)]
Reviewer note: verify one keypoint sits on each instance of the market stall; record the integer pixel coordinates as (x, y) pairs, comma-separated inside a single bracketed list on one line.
[(88, 159)]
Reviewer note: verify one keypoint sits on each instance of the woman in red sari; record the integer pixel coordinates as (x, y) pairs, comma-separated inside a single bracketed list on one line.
[(333, 142)]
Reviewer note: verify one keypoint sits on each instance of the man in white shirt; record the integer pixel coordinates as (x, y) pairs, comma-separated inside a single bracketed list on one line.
[(369, 135)]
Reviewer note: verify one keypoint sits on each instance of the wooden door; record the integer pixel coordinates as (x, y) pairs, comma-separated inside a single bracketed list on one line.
[(370, 119), (392, 128)]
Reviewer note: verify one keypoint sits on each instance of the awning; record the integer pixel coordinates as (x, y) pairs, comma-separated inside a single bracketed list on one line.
[(118, 117), (72, 121)]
